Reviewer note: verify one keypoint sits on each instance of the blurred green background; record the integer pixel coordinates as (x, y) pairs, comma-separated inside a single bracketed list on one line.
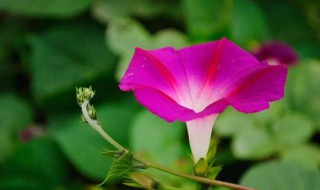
[(48, 47)]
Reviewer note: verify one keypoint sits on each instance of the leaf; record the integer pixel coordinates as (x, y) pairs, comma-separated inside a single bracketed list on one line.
[(213, 172), (170, 37), (157, 141), (302, 89), (292, 129), (204, 18), (281, 176), (83, 145), (140, 180), (231, 122), (248, 22), (256, 143), (35, 165), (307, 155), (107, 10), (124, 34), (67, 52), (45, 8), (111, 153), (15, 115), (120, 167)]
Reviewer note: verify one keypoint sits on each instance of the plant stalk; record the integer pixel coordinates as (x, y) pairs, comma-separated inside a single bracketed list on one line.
[(95, 125)]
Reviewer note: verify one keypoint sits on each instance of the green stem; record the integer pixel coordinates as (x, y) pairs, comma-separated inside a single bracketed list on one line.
[(95, 125), (194, 178)]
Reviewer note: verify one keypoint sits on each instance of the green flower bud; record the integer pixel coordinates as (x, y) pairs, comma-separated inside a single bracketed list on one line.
[(88, 93), (83, 119), (201, 167), (92, 112)]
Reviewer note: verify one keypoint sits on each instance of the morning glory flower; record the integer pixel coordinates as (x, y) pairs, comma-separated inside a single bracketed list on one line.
[(275, 53), (195, 84)]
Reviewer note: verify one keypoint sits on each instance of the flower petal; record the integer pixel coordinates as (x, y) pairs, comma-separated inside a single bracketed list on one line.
[(253, 92), (160, 69), (199, 132), (161, 104), (210, 66), (276, 52)]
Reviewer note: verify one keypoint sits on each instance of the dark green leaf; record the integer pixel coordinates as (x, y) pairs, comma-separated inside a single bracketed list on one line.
[(248, 22), (67, 55), (15, 115), (34, 166), (281, 176), (45, 8), (83, 145)]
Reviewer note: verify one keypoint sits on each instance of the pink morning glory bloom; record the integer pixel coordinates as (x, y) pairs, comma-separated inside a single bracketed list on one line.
[(194, 84), (275, 53)]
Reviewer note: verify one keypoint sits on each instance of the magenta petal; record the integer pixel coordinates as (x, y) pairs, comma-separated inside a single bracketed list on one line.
[(160, 104), (254, 91), (277, 51), (201, 80), (159, 69)]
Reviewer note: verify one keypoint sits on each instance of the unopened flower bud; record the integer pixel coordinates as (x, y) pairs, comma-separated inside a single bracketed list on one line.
[(92, 112), (88, 93), (83, 119)]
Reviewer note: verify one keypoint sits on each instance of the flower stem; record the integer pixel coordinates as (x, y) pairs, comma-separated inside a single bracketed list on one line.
[(194, 178), (95, 125)]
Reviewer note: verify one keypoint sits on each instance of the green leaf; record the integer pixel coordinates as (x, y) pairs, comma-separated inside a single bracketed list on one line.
[(67, 51), (213, 172), (292, 129), (305, 155), (256, 143), (15, 115), (230, 122), (281, 176), (124, 34), (155, 140), (111, 153), (107, 10), (45, 8), (204, 18), (35, 165), (120, 167), (302, 89), (140, 180), (248, 22), (169, 37), (212, 150), (159, 135), (83, 145)]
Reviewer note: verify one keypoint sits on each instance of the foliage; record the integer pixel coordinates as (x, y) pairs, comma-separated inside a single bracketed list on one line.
[(47, 48)]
